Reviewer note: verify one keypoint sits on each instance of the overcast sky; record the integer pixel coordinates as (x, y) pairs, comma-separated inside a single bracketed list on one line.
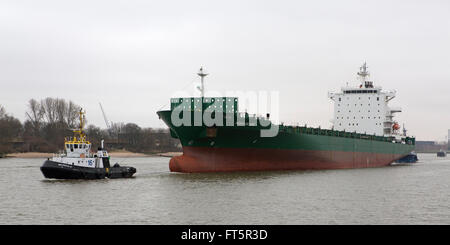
[(133, 55)]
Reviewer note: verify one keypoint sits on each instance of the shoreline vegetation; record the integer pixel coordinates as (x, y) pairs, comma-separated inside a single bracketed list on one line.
[(50, 121)]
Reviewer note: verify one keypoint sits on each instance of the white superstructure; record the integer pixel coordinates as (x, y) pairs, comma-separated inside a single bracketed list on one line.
[(364, 108)]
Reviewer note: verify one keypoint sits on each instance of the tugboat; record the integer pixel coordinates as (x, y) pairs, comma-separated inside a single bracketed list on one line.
[(442, 153), (78, 162), (410, 158)]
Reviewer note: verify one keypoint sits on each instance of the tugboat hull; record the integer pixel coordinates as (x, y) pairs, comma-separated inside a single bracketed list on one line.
[(56, 170)]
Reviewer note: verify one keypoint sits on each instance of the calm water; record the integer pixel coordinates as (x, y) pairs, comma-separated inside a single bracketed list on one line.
[(411, 194)]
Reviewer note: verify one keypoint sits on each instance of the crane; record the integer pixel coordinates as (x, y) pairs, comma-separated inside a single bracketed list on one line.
[(108, 125)]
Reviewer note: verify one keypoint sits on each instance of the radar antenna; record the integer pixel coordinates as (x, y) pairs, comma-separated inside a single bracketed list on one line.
[(363, 73)]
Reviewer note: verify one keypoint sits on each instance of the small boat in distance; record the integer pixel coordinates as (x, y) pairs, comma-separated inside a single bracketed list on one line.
[(78, 162), (442, 153), (410, 158)]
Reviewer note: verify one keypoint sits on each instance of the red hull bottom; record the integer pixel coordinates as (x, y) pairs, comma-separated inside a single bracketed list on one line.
[(207, 159)]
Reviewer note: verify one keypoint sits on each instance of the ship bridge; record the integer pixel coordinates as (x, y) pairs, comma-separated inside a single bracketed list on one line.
[(364, 108)]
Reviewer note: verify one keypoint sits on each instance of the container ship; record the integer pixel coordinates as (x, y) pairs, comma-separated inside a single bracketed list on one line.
[(364, 134)]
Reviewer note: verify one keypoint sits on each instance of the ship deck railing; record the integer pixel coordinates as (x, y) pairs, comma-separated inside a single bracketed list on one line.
[(63, 154), (330, 132), (345, 134), (247, 118)]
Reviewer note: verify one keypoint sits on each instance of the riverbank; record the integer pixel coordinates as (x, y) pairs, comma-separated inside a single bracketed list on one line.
[(169, 154), (112, 154), (30, 155)]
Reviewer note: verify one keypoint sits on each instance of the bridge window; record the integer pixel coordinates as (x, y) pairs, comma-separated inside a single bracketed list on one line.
[(75, 146)]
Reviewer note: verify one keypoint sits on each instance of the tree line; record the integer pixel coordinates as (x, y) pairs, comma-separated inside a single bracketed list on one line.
[(50, 120)]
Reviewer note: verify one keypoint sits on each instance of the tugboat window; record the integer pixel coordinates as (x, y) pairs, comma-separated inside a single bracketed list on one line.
[(75, 146)]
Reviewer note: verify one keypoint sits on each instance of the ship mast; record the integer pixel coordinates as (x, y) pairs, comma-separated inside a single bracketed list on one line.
[(79, 131), (363, 73), (202, 75)]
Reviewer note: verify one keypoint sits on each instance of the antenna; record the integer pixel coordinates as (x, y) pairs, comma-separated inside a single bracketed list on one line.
[(79, 131), (363, 73), (202, 75)]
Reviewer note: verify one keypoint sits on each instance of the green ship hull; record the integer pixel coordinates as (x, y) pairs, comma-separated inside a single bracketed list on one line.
[(237, 147)]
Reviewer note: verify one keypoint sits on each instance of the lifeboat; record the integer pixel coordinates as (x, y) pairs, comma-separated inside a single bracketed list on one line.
[(395, 126)]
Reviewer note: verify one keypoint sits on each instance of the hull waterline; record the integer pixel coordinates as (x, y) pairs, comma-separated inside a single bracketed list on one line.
[(204, 159)]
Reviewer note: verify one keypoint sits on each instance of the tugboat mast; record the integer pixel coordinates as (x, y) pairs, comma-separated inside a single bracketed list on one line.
[(79, 131), (202, 75)]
